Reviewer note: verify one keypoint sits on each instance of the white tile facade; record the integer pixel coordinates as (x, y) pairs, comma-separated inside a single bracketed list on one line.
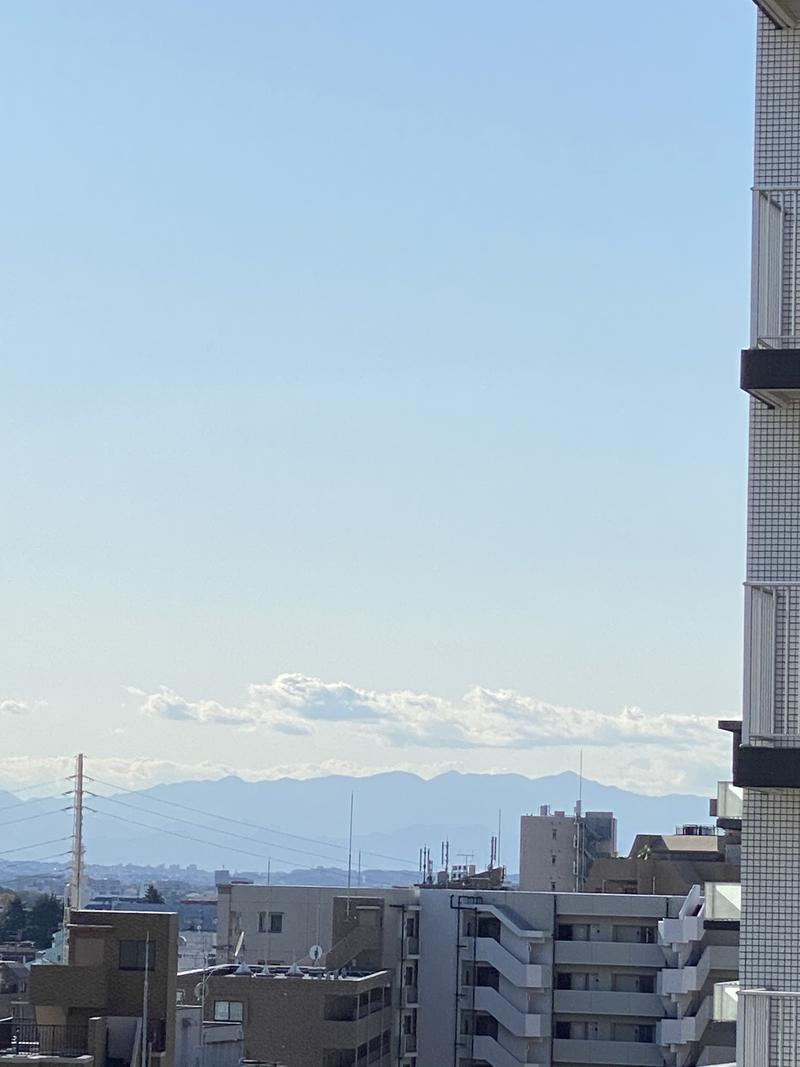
[(770, 924)]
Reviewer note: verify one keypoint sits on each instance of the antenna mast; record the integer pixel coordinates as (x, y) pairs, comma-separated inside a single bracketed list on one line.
[(350, 847)]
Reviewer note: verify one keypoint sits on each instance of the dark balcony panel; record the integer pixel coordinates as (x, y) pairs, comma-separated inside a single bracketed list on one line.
[(771, 374)]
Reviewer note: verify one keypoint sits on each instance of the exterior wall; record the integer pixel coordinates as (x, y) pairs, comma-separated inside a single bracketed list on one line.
[(388, 937), (547, 853), (307, 913), (305, 1021), (95, 985), (540, 978), (770, 928)]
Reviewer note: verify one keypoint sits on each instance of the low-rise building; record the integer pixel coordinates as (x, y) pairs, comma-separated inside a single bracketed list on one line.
[(119, 984), (306, 1017)]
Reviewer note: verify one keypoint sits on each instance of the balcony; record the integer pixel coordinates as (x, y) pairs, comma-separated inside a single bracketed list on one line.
[(726, 1002), (612, 1053), (602, 1002), (729, 802), (409, 1044), (609, 953), (723, 902), (677, 981), (30, 1039), (410, 996), (768, 1020), (689, 1029)]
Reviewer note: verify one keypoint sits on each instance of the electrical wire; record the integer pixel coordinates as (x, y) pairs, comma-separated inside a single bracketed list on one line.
[(188, 837), (215, 830), (27, 818), (38, 844), (38, 785), (32, 800), (255, 826)]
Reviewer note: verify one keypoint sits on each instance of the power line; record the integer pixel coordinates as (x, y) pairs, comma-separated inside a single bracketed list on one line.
[(27, 818), (214, 830), (36, 785), (38, 844), (188, 837), (254, 826), (33, 800)]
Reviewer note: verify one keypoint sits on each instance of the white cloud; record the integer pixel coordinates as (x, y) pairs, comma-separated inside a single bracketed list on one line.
[(482, 719), (14, 707)]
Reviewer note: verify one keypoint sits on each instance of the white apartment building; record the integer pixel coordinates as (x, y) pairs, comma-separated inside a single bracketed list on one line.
[(766, 757), (702, 950), (498, 978)]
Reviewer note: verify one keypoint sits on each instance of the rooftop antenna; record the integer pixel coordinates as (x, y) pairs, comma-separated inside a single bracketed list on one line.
[(578, 828), (237, 952), (499, 830)]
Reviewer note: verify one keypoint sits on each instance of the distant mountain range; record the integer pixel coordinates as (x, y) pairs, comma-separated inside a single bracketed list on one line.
[(289, 823)]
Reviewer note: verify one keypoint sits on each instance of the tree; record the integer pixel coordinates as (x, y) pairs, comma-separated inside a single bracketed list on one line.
[(44, 918), (152, 895), (12, 921)]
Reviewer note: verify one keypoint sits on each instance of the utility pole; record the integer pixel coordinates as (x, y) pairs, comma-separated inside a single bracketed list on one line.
[(143, 1058), (73, 899)]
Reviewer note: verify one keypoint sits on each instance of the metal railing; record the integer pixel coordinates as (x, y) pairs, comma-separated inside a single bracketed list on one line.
[(22, 1038)]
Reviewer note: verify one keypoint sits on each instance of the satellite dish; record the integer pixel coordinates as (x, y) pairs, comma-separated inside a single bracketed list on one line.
[(315, 953), (239, 946)]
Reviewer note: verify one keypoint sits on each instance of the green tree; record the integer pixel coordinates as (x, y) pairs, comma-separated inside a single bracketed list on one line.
[(152, 895), (44, 918), (13, 920)]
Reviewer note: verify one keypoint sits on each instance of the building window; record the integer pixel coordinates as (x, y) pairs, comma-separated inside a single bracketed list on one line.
[(262, 922), (228, 1011), (646, 1034), (553, 858), (136, 955), (555, 834), (276, 922), (562, 1031)]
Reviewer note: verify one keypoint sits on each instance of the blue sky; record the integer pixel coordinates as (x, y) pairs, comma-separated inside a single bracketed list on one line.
[(385, 345)]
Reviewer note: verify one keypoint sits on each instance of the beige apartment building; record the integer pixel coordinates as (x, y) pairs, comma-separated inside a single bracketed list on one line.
[(556, 850)]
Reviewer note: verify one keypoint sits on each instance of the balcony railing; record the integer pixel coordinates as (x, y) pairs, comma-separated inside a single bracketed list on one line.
[(775, 312), (28, 1038)]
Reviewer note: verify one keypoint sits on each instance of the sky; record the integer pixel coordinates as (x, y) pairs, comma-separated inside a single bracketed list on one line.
[(369, 387)]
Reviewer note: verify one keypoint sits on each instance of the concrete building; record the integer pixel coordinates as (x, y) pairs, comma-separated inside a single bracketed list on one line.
[(122, 967), (766, 743), (14, 978), (362, 930), (540, 978), (304, 1017), (556, 850), (669, 863), (486, 977), (702, 950)]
